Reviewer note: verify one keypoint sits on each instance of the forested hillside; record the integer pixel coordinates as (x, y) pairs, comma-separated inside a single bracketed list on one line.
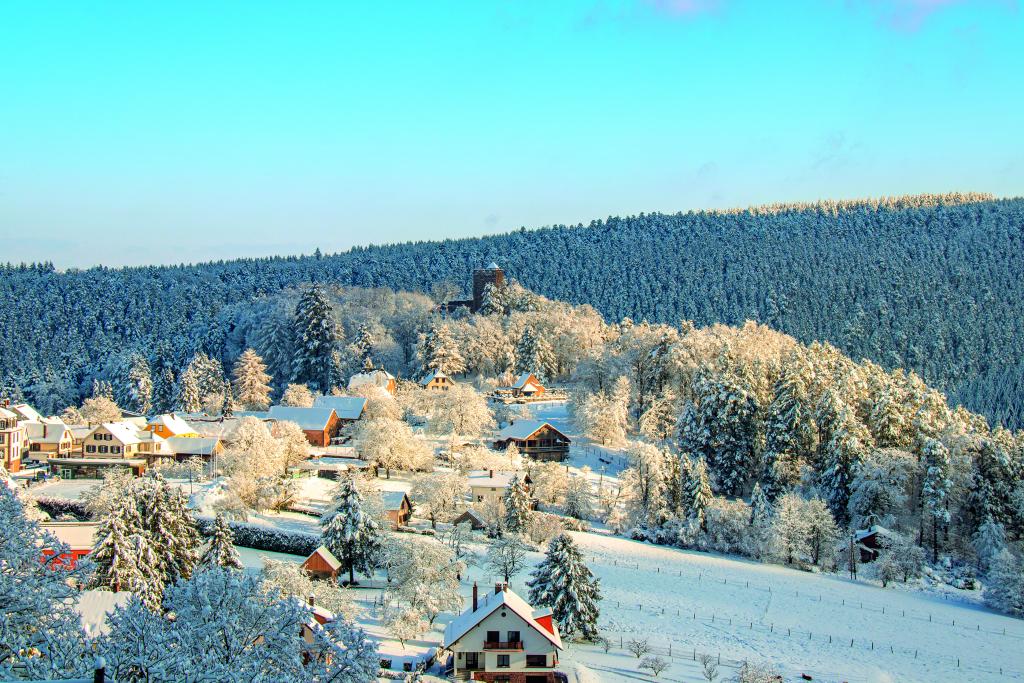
[(929, 283)]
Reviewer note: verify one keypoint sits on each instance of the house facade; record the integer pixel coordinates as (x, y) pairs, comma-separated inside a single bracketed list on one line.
[(169, 425), (322, 564), (374, 377), (12, 440), (79, 537), (487, 486), (110, 444), (397, 507), (534, 438), (526, 386), (48, 438), (437, 381), (320, 425), (502, 639)]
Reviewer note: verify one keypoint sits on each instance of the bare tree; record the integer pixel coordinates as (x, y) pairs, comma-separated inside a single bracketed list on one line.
[(655, 664), (710, 665), (638, 647), (507, 556)]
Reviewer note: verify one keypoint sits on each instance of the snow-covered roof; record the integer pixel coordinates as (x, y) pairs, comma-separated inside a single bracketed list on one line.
[(523, 379), (392, 499), (125, 432), (80, 431), (47, 430), (347, 407), (861, 534), (76, 535), (524, 429), (172, 423), (434, 374), (94, 606), (27, 412), (307, 418), (492, 266), (325, 555), (7, 414), (99, 461), (377, 377), (193, 445), (491, 478), (491, 601)]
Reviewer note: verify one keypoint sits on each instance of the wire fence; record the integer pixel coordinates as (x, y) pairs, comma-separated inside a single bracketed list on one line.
[(814, 596), (820, 639)]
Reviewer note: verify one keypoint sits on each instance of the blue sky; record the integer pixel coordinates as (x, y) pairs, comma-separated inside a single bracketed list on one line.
[(191, 131)]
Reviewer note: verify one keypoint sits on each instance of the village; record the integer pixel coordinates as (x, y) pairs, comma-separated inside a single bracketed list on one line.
[(474, 490)]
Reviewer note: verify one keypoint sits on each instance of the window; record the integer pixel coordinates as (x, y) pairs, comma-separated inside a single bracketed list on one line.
[(104, 449), (503, 661), (115, 449), (90, 449), (513, 637), (493, 636), (536, 660), (1, 438)]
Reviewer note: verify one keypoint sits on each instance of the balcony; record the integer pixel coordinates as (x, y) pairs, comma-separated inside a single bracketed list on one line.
[(503, 645)]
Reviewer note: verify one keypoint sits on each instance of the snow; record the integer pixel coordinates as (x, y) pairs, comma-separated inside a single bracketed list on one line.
[(252, 559), (93, 606)]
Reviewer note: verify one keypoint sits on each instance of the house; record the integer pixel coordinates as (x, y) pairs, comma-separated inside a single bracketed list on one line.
[(110, 444), (397, 507), (220, 427), (319, 424), (78, 434), (322, 564), (48, 438), (12, 440), (204, 447), (79, 537), (374, 377), (502, 639), (168, 425), (534, 438), (526, 386), (490, 485), (472, 518), (347, 408), (437, 381), (870, 542)]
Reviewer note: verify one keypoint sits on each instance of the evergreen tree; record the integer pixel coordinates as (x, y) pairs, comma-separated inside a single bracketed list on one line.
[(760, 507), (138, 395), (700, 494), (518, 506), (1005, 587), (351, 532), (221, 551), (989, 541), (438, 350), (188, 399), (790, 432), (534, 354), (124, 557), (316, 339), (563, 583), (364, 342), (164, 391), (722, 429), (841, 454), (935, 489), (252, 384), (274, 341)]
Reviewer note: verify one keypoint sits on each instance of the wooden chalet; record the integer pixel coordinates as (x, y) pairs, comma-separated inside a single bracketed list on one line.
[(397, 507), (472, 518), (322, 564), (437, 381), (526, 386), (535, 438)]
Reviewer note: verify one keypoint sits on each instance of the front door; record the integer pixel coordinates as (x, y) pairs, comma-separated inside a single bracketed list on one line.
[(472, 660)]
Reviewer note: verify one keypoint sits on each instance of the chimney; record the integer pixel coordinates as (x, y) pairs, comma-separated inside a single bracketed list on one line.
[(474, 596), (498, 587), (491, 474), (312, 600)]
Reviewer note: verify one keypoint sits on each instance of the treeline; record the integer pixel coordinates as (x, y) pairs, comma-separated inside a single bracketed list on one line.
[(928, 283)]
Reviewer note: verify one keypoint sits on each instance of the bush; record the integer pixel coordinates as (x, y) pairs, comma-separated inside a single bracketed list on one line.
[(58, 507), (262, 538)]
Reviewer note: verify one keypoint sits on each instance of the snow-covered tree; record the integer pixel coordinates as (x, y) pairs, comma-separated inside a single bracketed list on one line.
[(425, 576), (790, 430), (292, 442), (721, 427), (351, 533), (404, 624), (298, 396), (250, 635), (288, 579), (604, 416), (533, 353), (506, 556), (1004, 590), (804, 530), (41, 634), (462, 410), (989, 541), (878, 492), (251, 387), (935, 489), (518, 507), (579, 499), (221, 550), (438, 350), (549, 480), (699, 494), (124, 554), (187, 396), (137, 395), (437, 496), (364, 341), (164, 390), (316, 340), (563, 582), (391, 444), (840, 453), (659, 422), (100, 409)]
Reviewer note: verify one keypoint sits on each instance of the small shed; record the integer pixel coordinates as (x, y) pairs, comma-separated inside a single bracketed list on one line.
[(322, 564), (472, 518), (526, 386), (397, 507)]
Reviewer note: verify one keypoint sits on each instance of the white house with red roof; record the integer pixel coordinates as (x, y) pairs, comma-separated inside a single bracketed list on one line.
[(502, 639)]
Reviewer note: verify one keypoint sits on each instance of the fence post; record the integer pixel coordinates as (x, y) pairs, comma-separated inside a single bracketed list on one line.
[(670, 648)]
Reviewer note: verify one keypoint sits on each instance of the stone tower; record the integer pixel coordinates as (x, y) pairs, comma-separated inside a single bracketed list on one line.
[(491, 275)]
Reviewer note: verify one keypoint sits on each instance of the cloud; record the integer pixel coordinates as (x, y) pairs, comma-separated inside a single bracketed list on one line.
[(683, 8), (911, 15)]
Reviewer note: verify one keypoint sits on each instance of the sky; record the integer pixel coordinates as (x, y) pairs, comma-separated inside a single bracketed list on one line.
[(137, 133)]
